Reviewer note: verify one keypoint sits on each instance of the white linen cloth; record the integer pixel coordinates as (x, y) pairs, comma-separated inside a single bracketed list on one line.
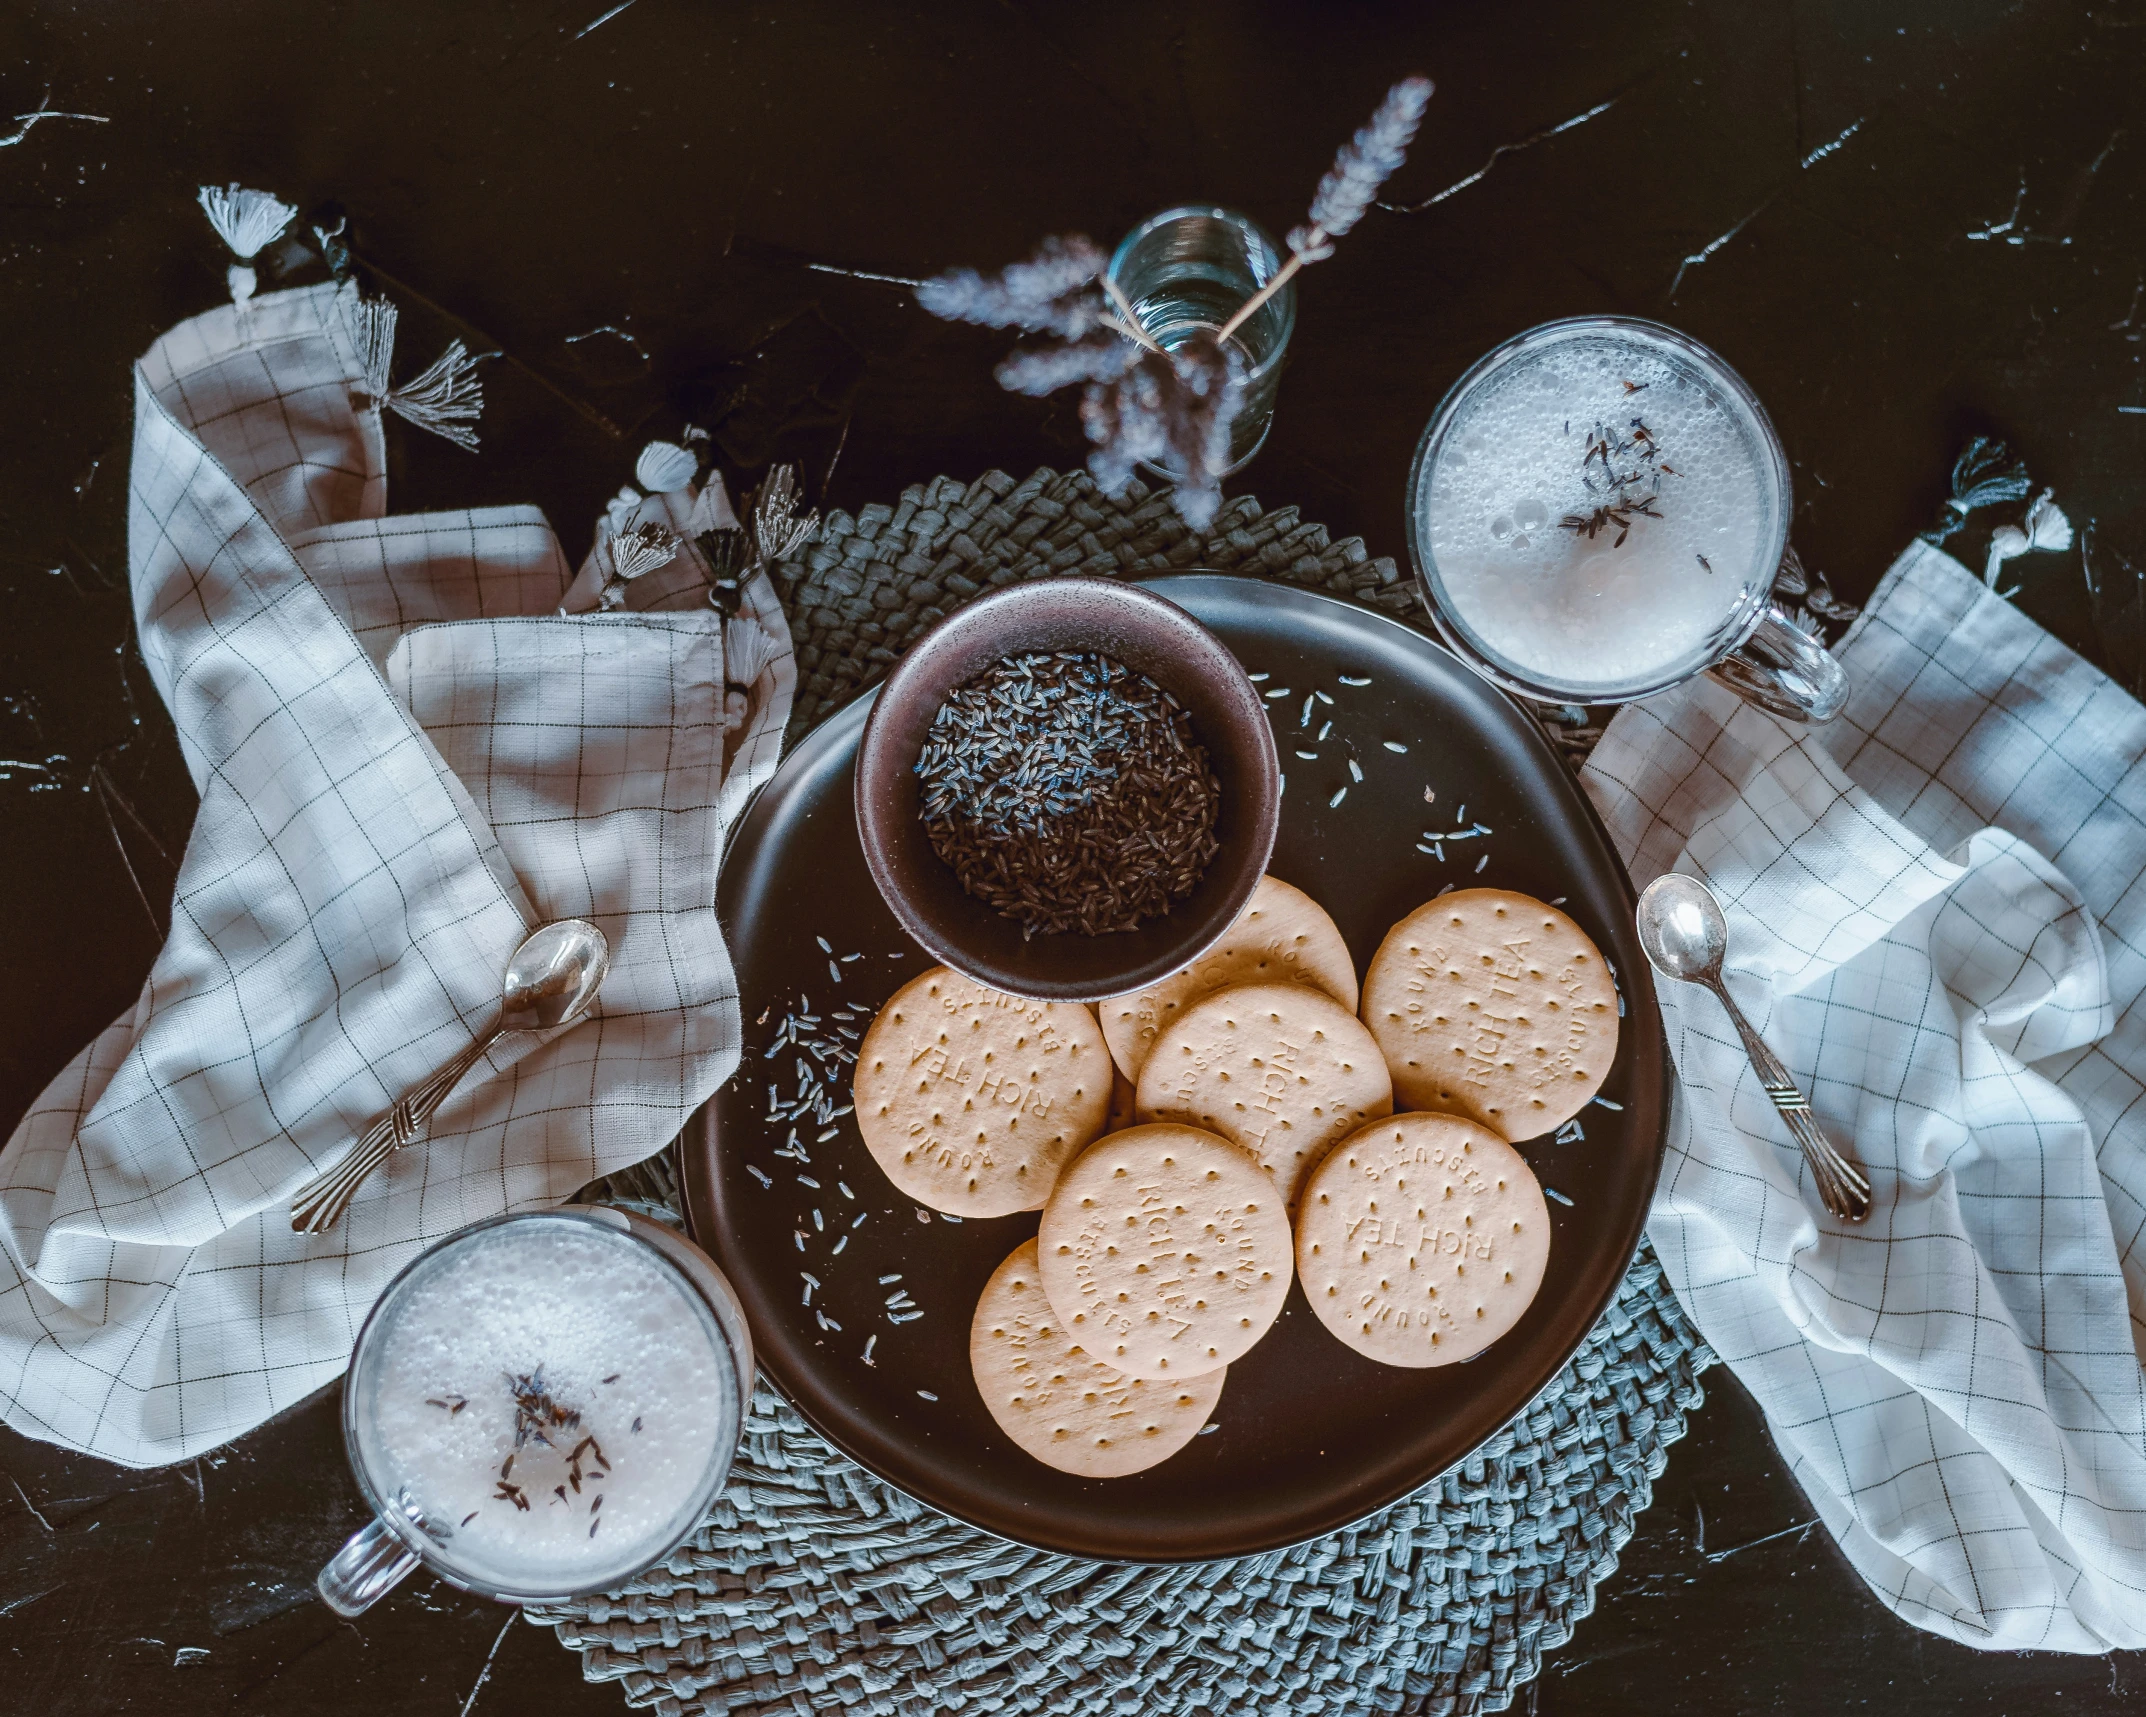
[(1937, 917), (407, 759)]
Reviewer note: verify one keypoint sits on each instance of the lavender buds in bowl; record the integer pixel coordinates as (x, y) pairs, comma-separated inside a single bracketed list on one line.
[(1123, 859)]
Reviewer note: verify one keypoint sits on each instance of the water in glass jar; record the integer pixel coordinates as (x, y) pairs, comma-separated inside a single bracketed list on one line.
[(1599, 513), (1188, 271)]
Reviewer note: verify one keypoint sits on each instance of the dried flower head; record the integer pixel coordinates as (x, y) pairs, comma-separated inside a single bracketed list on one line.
[(1365, 163), (1198, 412), (1173, 409), (1124, 421), (1101, 357), (1142, 404), (1053, 292)]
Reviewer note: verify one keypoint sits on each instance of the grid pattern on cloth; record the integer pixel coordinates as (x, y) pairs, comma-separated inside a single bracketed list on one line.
[(385, 576), (1956, 1383), (816, 1587), (363, 862)]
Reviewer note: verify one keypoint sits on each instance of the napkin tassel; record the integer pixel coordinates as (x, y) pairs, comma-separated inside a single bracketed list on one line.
[(247, 221), (2044, 528), (747, 650), (446, 399), (1986, 474), (634, 554)]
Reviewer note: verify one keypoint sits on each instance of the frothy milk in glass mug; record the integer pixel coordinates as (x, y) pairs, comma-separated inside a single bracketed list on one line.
[(540, 1406), (1597, 512)]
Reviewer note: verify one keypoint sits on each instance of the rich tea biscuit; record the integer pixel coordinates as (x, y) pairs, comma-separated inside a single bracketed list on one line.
[(971, 1100), (1061, 1404), (1492, 1005), (1422, 1239), (1166, 1251), (1282, 1070), (1282, 936), (1123, 1098)]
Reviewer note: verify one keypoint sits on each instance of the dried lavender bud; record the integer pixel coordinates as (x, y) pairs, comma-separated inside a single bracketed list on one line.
[(1365, 163), (1051, 293), (1621, 471), (1069, 793), (1124, 421), (1199, 406), (1102, 357), (1170, 409)]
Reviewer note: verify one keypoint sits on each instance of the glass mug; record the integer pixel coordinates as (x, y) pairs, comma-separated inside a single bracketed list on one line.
[(1598, 511), (1187, 270), (539, 1407)]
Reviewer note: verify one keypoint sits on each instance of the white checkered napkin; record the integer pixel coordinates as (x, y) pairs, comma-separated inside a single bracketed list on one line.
[(1957, 1382), (406, 759)]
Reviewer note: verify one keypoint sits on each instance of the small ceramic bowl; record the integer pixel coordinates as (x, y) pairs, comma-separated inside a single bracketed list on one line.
[(1147, 634)]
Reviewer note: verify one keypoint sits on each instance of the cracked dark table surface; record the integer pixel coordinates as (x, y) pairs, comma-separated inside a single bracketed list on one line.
[(1905, 224)]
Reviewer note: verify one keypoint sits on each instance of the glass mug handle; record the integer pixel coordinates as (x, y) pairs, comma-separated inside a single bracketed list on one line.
[(1783, 669), (365, 1570)]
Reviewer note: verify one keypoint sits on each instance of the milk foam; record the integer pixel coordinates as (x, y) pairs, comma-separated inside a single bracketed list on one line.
[(616, 1339), (1551, 605)]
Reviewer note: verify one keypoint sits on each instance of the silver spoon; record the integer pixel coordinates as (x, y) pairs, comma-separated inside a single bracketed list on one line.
[(1686, 935), (551, 980)]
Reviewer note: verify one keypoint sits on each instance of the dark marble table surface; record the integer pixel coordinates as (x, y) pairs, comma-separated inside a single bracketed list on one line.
[(1905, 223)]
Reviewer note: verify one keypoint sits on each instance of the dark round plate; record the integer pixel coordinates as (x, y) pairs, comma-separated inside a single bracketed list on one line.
[(1308, 1436)]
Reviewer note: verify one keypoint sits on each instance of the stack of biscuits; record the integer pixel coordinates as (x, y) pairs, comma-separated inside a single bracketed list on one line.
[(1194, 1146)]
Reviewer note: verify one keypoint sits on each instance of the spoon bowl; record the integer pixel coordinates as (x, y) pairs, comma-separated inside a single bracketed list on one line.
[(554, 975), (1683, 929)]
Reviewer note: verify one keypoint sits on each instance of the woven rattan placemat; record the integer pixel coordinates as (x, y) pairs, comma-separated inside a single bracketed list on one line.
[(814, 1587)]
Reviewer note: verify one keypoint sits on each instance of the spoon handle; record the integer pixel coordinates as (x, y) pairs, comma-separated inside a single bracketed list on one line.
[(1841, 1185), (321, 1202)]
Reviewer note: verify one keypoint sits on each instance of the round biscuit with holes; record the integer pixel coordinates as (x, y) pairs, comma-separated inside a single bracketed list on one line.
[(1493, 1005), (1282, 1070), (1061, 1404), (971, 1100), (1422, 1239), (1282, 936), (1166, 1251)]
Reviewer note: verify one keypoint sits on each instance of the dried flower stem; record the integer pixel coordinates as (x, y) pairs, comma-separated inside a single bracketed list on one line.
[(1250, 307), (1131, 327), (1147, 403), (1366, 161)]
